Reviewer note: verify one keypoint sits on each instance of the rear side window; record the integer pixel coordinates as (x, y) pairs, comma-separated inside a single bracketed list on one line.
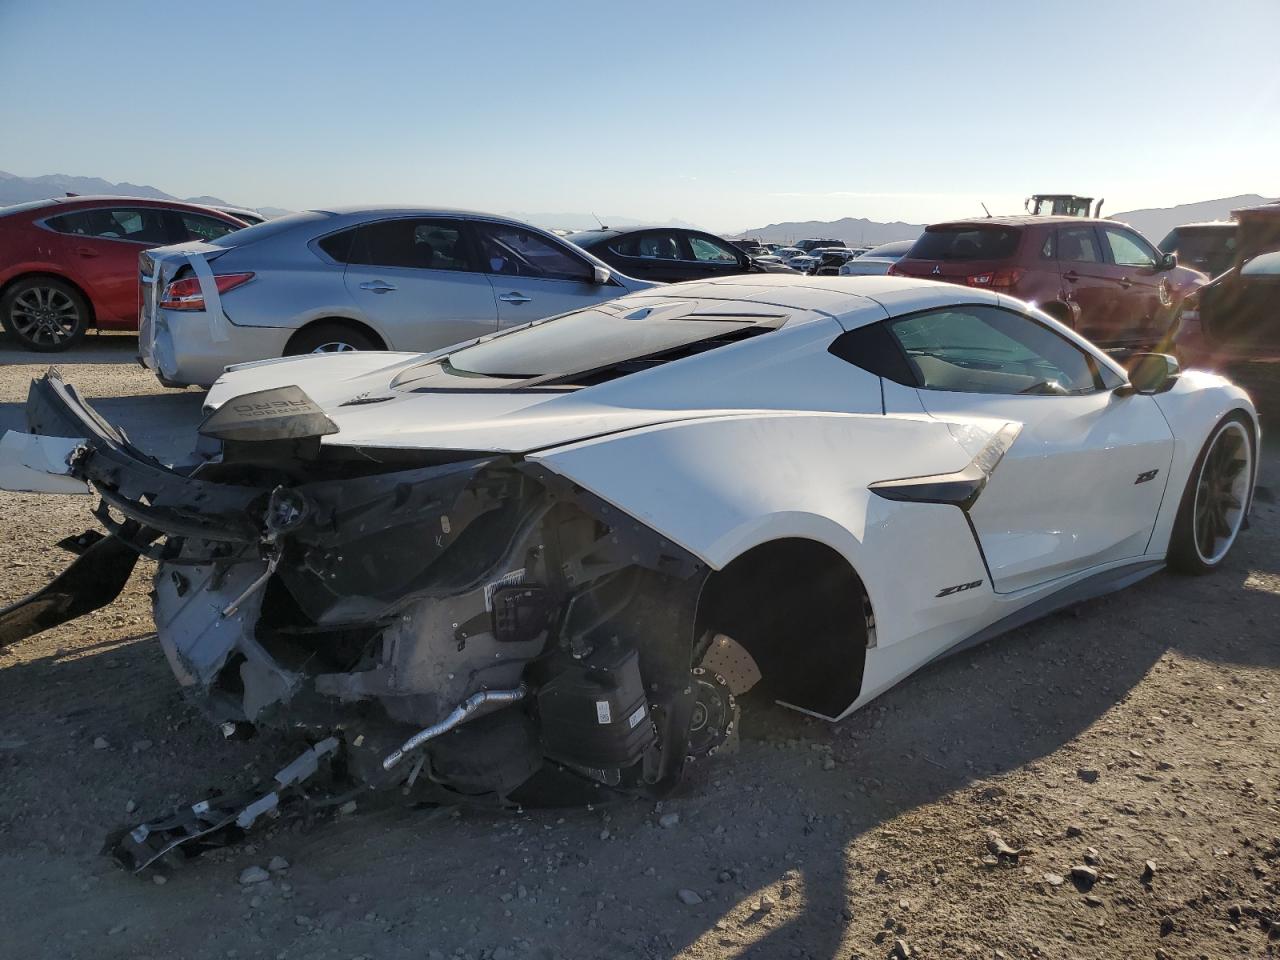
[(338, 245), (966, 243), (415, 243), (200, 227), (139, 224), (1079, 245)]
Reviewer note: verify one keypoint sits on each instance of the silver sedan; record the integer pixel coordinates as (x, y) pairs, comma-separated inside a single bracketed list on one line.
[(391, 278)]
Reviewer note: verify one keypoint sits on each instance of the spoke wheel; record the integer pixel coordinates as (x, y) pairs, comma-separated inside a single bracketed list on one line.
[(1222, 491), (45, 315), (1216, 500), (334, 346)]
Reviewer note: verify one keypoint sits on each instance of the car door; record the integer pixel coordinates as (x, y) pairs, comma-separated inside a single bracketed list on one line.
[(533, 275), (100, 248), (1144, 300), (415, 279), (1087, 279), (1083, 480)]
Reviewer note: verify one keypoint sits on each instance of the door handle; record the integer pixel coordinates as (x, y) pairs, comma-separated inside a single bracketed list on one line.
[(1071, 276), (377, 286), (514, 297), (86, 251), (1126, 282)]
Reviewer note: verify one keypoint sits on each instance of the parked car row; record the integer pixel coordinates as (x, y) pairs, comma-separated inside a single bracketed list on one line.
[(208, 291)]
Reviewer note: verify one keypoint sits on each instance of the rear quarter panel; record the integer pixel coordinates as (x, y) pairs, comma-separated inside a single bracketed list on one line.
[(719, 487)]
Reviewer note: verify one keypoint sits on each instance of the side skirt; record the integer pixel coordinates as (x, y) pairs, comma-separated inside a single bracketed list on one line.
[(1098, 585)]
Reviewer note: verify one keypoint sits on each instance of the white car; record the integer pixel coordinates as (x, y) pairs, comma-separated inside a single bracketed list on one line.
[(877, 260), (573, 545)]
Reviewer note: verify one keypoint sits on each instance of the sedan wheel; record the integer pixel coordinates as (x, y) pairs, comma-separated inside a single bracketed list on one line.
[(44, 315), (334, 346)]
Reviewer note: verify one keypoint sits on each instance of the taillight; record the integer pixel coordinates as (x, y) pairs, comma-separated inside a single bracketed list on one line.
[(186, 294), (1005, 279)]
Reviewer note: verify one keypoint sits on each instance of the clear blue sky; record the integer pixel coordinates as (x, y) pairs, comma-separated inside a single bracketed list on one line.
[(727, 114)]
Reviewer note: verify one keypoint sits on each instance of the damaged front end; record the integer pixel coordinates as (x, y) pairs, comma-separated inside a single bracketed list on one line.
[(465, 625)]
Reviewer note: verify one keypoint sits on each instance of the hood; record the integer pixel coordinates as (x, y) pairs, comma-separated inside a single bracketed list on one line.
[(355, 391)]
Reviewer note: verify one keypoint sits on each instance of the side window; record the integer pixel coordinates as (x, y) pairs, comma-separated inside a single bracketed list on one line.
[(1079, 245), (515, 251), (339, 245), (199, 227), (709, 251), (1049, 251), (1128, 249), (139, 224), (980, 349), (655, 245), (414, 243)]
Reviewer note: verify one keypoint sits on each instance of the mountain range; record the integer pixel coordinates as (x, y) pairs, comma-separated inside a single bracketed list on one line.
[(1153, 223), (15, 189)]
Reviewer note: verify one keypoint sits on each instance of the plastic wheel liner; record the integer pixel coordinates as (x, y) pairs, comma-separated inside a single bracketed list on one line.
[(458, 626)]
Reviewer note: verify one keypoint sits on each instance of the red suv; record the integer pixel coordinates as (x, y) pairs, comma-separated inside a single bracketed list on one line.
[(71, 263), (1099, 277)]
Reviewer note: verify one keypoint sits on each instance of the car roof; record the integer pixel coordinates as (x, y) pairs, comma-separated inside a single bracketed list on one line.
[(1018, 220), (412, 210), (98, 198), (1208, 225)]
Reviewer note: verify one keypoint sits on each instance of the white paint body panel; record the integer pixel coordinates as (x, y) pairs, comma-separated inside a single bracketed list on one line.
[(773, 437)]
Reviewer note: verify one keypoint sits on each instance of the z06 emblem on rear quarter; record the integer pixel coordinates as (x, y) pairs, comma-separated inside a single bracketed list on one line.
[(1144, 477)]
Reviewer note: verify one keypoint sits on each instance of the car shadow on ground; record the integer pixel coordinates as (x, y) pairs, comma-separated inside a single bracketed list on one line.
[(106, 347)]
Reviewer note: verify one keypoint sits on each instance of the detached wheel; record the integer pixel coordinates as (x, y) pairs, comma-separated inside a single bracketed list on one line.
[(1213, 505), (330, 338), (44, 314)]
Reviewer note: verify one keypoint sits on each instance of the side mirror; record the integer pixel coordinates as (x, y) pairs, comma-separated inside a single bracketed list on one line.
[(1149, 373), (600, 275), (1168, 261)]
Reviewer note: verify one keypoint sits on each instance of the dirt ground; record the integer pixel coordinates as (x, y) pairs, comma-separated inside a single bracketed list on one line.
[(1137, 728)]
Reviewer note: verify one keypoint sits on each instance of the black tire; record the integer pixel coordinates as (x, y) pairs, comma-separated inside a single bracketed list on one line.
[(330, 337), (44, 314), (1216, 499)]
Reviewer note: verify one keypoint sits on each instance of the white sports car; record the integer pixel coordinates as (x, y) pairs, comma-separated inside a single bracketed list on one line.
[(571, 545)]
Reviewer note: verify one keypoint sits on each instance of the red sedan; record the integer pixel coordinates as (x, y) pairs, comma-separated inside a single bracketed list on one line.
[(71, 263)]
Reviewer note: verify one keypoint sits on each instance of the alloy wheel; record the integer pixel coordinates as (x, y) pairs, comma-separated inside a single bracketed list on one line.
[(334, 346), (44, 316), (1222, 492)]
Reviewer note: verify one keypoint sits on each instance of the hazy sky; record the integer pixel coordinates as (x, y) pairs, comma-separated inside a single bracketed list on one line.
[(727, 114)]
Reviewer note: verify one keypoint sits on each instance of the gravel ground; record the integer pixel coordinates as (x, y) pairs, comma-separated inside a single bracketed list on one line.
[(1102, 784)]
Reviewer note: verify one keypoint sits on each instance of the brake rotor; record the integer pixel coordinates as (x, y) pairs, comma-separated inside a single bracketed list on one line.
[(714, 713)]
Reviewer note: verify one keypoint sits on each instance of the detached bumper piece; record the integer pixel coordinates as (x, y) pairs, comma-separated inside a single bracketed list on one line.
[(458, 626), (217, 821)]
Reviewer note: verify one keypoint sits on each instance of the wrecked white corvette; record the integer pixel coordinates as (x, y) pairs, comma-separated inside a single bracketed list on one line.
[(543, 564)]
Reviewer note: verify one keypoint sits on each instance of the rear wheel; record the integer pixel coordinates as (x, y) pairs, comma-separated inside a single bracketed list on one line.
[(1217, 496), (330, 338), (44, 314)]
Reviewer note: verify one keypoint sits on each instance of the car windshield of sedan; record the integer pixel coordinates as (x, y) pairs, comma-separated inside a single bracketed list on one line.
[(589, 346)]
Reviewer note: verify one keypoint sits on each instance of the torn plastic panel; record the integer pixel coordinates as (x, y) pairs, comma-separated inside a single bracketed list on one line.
[(398, 601)]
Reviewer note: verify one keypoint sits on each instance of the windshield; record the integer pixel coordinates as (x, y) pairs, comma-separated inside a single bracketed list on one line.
[(965, 243), (603, 336)]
